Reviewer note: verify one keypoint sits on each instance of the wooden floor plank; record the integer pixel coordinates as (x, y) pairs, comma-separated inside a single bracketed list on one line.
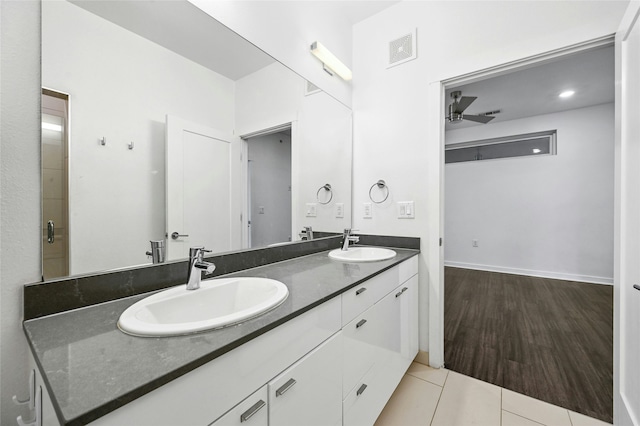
[(549, 339)]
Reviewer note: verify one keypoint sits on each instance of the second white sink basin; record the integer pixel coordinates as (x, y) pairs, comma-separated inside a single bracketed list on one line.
[(362, 254), (217, 303)]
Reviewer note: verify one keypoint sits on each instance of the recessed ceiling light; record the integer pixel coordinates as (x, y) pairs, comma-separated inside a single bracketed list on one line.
[(537, 150), (567, 94)]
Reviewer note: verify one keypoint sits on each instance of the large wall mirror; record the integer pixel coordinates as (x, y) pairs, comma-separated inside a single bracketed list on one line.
[(160, 124)]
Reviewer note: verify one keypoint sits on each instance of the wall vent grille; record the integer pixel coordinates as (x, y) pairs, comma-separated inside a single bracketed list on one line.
[(311, 88), (402, 49)]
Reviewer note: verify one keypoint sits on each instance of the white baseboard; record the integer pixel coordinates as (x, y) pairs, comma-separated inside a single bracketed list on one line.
[(532, 273)]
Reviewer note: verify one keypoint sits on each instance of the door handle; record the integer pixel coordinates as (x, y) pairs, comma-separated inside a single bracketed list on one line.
[(175, 235), (51, 232), (285, 387)]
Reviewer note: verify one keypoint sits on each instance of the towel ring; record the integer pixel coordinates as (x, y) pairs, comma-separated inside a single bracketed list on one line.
[(326, 187), (382, 185)]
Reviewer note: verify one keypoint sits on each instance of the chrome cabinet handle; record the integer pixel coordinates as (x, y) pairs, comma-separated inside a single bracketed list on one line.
[(636, 286), (361, 323), (285, 387), (360, 291), (251, 411), (402, 291), (175, 235), (361, 389), (51, 234)]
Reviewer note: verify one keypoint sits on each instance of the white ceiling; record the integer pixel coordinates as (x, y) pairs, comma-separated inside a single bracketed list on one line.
[(535, 91), (183, 28)]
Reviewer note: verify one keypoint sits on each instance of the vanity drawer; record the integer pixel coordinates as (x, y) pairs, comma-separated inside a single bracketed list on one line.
[(362, 296), (363, 404), (408, 268), (360, 347)]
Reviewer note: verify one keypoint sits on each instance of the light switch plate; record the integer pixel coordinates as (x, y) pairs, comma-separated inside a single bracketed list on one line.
[(368, 211), (340, 210), (406, 210), (312, 210)]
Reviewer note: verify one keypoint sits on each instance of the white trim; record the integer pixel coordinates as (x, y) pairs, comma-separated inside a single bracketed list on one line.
[(532, 273)]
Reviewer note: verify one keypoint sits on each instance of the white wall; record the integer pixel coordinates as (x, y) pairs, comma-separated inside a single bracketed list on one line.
[(285, 30), (123, 98), (321, 140), (270, 177), (20, 233), (549, 216), (397, 113)]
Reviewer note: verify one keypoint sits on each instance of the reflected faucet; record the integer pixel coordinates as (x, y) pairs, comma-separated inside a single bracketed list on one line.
[(307, 232), (197, 266), (157, 251), (347, 238)]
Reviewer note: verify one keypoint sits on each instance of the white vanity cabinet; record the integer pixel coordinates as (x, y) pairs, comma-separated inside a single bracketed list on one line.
[(38, 402), (380, 344)]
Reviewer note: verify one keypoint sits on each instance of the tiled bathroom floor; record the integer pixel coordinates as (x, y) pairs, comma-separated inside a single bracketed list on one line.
[(428, 396)]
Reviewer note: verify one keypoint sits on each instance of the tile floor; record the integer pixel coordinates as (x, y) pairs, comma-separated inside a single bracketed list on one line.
[(427, 396)]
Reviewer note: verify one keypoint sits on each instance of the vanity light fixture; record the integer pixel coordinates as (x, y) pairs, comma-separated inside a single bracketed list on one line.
[(567, 94), (330, 61)]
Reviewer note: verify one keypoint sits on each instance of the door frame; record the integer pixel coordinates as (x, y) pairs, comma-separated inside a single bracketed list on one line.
[(246, 204), (435, 181)]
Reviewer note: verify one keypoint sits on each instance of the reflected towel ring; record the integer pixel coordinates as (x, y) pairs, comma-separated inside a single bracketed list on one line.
[(382, 185), (326, 187)]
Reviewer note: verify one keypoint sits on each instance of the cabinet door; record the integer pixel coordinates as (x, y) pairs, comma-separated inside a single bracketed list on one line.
[(250, 412), (310, 391)]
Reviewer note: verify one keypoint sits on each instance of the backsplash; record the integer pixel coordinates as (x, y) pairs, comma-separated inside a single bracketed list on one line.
[(51, 297)]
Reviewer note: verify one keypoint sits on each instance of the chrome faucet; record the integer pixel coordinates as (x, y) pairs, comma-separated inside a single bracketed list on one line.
[(307, 232), (197, 265), (347, 238)]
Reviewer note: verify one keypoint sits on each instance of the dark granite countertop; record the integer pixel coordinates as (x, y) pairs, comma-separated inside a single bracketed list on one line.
[(91, 368)]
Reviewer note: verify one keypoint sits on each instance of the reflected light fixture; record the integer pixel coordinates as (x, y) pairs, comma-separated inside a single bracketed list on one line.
[(567, 94), (330, 61), (537, 150)]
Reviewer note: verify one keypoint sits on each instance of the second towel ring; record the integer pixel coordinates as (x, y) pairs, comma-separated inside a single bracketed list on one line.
[(326, 187), (382, 185)]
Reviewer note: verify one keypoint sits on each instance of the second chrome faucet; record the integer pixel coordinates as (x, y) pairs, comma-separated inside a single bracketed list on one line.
[(197, 265)]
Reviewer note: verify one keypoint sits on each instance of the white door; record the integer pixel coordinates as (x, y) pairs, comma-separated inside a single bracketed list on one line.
[(627, 311), (202, 177)]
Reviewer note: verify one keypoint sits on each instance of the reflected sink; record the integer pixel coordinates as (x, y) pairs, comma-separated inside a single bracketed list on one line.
[(217, 303), (362, 254)]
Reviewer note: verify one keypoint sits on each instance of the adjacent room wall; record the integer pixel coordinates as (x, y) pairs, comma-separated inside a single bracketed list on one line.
[(270, 183), (124, 98), (549, 216), (396, 111)]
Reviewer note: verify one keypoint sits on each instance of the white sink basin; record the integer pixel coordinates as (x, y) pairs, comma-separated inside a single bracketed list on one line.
[(217, 303), (362, 254)]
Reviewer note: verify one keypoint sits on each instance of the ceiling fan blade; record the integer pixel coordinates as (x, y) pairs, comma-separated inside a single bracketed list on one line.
[(464, 102), (478, 118)]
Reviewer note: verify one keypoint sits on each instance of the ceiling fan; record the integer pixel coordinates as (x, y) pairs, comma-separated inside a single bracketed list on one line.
[(459, 104)]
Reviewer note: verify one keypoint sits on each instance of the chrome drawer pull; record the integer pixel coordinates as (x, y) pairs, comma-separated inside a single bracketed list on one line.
[(251, 411), (402, 291), (285, 387), (361, 323), (361, 389), (362, 290)]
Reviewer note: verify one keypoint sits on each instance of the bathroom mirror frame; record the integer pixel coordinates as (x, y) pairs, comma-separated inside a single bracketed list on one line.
[(343, 195)]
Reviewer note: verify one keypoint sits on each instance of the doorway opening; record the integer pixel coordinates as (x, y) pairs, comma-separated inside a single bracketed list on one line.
[(529, 231), (55, 195), (269, 204)]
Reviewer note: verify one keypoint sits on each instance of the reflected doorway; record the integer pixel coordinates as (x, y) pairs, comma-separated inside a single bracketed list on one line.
[(269, 187), (55, 196)]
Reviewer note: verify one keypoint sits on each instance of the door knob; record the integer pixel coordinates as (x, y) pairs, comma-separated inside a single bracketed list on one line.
[(175, 235)]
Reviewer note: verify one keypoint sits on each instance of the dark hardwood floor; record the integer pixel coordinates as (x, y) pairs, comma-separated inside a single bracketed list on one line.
[(549, 339)]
